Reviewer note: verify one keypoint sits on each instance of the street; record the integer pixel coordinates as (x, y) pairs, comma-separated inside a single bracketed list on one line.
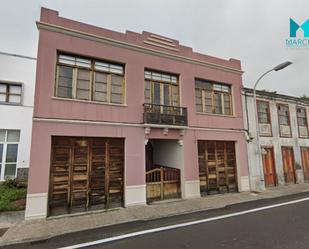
[(284, 227)]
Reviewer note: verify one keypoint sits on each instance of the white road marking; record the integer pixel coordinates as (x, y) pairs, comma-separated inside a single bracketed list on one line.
[(160, 229)]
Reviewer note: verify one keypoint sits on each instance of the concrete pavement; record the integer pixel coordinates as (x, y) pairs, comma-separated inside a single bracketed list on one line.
[(283, 227), (47, 228)]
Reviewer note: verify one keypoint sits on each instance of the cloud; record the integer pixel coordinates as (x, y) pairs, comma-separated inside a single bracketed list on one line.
[(252, 31)]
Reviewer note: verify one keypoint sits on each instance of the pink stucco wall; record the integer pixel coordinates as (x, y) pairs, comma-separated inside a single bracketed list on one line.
[(41, 150), (46, 106), (135, 63)]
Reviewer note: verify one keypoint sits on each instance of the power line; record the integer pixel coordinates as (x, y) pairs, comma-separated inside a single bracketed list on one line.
[(18, 55)]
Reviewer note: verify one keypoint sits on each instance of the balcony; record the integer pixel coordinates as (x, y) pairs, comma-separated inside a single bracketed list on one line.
[(165, 115)]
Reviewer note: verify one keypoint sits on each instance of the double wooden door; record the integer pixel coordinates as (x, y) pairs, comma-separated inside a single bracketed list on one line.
[(217, 166), (288, 164), (86, 174), (305, 162), (270, 175)]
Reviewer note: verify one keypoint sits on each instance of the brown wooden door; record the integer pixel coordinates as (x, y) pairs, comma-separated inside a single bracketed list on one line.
[(217, 166), (288, 164), (305, 162), (86, 174), (270, 175)]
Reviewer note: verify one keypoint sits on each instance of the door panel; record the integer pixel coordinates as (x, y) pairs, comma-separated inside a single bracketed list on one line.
[(59, 197), (79, 174), (97, 176), (288, 164), (86, 174), (1, 153), (115, 174), (270, 176), (305, 162)]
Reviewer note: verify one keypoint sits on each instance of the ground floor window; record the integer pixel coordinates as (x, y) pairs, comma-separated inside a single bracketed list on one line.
[(217, 166), (9, 140)]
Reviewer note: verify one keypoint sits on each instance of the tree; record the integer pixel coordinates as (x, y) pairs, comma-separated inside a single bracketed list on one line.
[(305, 97), (268, 91)]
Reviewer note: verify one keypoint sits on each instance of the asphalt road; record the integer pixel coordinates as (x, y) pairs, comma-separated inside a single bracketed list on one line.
[(285, 227)]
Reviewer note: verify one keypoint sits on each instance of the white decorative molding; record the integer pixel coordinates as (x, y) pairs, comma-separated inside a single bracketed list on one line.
[(300, 176), (265, 129), (36, 207), (165, 131), (182, 132), (303, 131), (75, 121), (180, 142), (147, 130), (192, 189), (161, 38), (244, 184), (122, 44), (135, 195), (160, 45), (285, 131)]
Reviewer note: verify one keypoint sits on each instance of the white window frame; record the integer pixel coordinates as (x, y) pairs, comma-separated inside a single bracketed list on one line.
[(5, 143), (6, 82)]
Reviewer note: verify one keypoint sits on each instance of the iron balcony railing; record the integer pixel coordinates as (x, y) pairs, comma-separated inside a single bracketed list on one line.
[(165, 115)]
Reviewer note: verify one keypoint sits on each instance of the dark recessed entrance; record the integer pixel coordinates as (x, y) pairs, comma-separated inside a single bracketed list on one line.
[(163, 164)]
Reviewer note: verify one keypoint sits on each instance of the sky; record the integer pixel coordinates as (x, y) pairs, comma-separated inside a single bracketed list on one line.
[(249, 30)]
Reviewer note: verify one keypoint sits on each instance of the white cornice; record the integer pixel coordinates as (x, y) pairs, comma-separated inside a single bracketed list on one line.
[(121, 44), (109, 123)]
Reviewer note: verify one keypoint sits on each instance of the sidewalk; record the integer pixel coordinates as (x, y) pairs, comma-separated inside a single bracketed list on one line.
[(44, 229)]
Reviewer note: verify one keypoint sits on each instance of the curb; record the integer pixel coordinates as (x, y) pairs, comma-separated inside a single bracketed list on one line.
[(45, 238)]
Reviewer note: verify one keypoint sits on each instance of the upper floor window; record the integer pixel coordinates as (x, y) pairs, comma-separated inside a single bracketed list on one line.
[(10, 93), (213, 97), (161, 88), (263, 112), (284, 121), (301, 116), (302, 121), (87, 79), (284, 116)]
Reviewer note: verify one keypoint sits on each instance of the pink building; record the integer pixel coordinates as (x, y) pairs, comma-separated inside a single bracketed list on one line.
[(123, 119)]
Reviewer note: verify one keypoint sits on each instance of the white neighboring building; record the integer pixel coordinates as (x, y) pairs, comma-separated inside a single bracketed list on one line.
[(17, 80), (284, 139)]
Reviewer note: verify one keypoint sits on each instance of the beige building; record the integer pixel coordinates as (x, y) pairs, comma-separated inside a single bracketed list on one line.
[(284, 139)]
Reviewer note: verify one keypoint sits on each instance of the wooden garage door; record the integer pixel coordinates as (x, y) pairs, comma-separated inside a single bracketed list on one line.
[(288, 164), (305, 162), (270, 175), (86, 174), (217, 166)]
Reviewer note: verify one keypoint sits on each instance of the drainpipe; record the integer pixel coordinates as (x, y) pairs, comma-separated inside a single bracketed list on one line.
[(248, 132), (247, 115)]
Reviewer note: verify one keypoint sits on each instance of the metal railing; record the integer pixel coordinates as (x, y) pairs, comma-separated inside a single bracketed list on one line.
[(165, 115)]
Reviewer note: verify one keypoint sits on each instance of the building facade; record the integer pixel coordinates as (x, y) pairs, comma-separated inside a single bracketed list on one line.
[(123, 119), (284, 139), (17, 77)]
